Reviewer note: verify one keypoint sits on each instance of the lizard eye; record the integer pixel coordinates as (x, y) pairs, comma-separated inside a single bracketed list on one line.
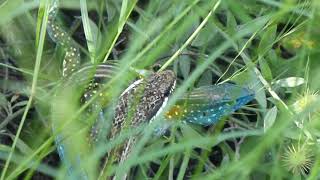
[(156, 67)]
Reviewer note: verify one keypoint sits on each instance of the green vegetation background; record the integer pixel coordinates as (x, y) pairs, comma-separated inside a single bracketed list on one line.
[(271, 46)]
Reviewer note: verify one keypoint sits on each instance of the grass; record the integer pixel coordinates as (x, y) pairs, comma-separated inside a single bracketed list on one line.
[(269, 46)]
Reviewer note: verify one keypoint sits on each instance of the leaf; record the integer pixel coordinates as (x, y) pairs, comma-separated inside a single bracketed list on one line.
[(225, 160), (3, 100), (207, 34), (122, 18), (20, 104), (3, 2), (270, 118), (205, 79), (184, 65), (265, 69), (4, 148), (14, 98), (39, 20), (23, 147), (231, 23), (267, 40), (111, 10), (87, 30), (189, 133), (290, 82), (260, 95), (95, 32)]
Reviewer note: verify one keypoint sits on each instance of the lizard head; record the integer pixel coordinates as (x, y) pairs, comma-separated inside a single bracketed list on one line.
[(162, 83), (147, 97)]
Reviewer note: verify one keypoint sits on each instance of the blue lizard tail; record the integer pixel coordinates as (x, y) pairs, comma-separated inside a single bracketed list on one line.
[(208, 104)]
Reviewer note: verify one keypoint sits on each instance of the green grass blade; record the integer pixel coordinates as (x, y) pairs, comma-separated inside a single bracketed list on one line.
[(91, 40), (33, 88)]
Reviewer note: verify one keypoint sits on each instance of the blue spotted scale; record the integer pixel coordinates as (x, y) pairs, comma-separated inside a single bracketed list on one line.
[(207, 104)]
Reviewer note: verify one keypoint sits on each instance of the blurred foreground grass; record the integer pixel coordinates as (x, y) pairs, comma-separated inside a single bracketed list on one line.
[(270, 46)]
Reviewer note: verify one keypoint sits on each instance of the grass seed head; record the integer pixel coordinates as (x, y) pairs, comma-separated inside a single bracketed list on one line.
[(297, 158)]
